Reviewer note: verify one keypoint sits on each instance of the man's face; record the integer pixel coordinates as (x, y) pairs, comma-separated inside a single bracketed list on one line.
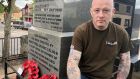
[(101, 12)]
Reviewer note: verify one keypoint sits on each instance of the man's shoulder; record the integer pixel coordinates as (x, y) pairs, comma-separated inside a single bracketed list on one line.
[(119, 28), (84, 26)]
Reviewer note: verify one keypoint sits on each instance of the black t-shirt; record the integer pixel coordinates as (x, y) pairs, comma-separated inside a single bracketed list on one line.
[(99, 48)]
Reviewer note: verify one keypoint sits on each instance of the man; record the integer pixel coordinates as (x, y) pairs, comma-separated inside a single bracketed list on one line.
[(96, 44)]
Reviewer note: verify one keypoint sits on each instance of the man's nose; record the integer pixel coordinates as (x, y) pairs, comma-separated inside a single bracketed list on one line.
[(101, 14)]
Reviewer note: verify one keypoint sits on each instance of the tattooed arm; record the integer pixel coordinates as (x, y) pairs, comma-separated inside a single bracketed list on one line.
[(124, 66), (73, 70)]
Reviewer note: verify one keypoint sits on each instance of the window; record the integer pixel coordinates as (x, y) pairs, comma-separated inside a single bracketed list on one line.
[(117, 20), (128, 8), (127, 23), (117, 6)]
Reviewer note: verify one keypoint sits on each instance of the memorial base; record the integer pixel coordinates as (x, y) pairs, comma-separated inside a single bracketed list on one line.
[(50, 49)]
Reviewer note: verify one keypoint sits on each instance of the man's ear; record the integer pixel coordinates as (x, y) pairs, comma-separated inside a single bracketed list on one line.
[(114, 11), (91, 12)]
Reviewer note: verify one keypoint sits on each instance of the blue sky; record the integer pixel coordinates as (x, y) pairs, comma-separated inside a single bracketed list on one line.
[(22, 3)]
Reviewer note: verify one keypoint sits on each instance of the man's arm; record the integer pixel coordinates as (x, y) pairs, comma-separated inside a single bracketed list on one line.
[(124, 66), (73, 70)]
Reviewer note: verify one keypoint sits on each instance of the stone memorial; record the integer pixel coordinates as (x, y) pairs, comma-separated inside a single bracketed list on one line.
[(50, 39)]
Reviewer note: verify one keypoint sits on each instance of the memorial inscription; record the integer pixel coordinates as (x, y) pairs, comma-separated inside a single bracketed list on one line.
[(45, 51), (48, 13)]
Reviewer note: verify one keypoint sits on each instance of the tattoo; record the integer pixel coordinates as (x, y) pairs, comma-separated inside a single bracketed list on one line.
[(73, 70), (124, 66)]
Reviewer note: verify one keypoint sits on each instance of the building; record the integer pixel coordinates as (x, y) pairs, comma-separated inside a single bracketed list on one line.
[(136, 25), (124, 13), (1, 17), (27, 13), (16, 15)]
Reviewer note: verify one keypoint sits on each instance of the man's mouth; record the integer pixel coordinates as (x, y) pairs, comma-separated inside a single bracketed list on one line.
[(101, 21)]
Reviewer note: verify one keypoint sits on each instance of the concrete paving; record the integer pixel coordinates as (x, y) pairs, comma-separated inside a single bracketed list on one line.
[(16, 64), (14, 32)]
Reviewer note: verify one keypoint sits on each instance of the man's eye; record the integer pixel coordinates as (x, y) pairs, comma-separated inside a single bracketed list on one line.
[(106, 11), (96, 10)]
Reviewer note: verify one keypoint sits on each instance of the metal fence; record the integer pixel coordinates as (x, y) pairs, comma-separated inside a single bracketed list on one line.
[(14, 46), (14, 53)]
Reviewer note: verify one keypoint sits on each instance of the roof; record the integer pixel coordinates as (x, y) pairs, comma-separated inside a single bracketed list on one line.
[(30, 6)]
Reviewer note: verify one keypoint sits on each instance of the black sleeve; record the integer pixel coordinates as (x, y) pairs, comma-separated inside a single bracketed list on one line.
[(126, 43), (77, 39)]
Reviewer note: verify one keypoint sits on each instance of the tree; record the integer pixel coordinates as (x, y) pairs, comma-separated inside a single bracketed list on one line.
[(7, 28), (1, 8)]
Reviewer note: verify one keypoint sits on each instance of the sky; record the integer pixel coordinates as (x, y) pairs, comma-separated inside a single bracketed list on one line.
[(137, 4), (22, 3)]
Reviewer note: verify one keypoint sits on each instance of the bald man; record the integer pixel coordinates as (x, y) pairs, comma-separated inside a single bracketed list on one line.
[(96, 44)]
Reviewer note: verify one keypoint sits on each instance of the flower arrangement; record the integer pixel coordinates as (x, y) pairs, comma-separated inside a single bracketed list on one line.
[(31, 68)]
